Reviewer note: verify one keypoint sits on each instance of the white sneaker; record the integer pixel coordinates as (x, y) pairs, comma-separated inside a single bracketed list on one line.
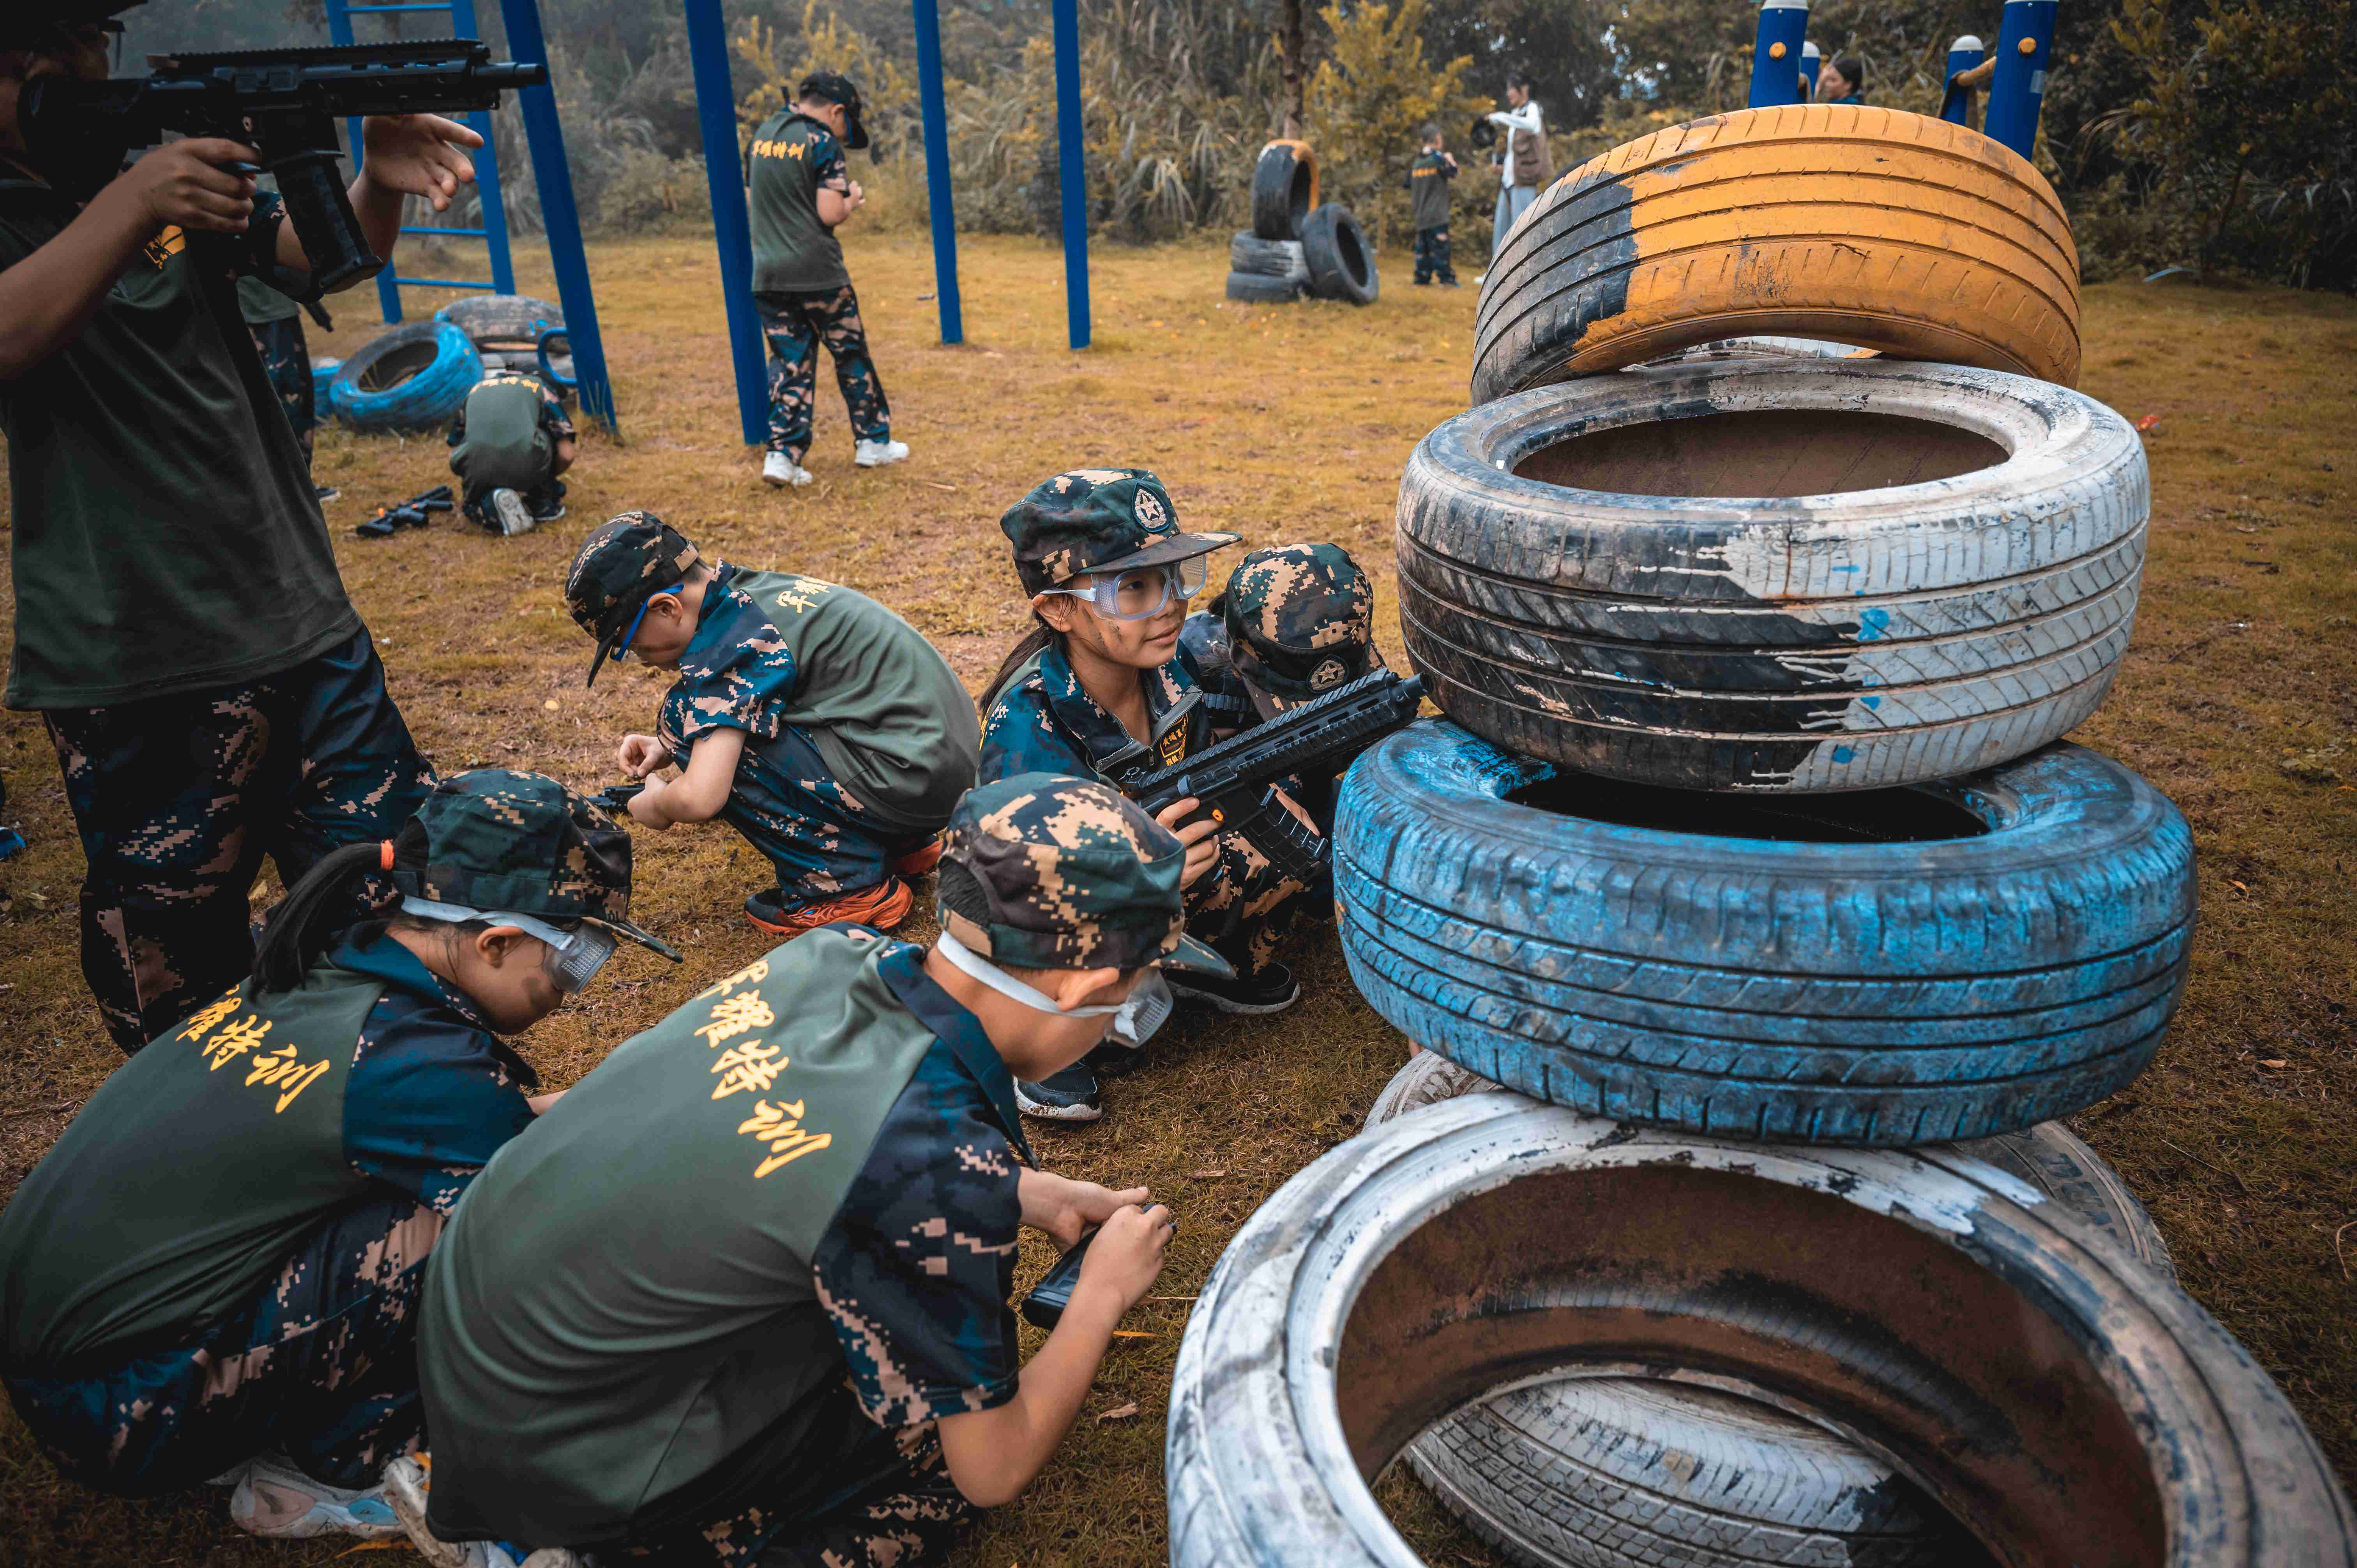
[(875, 453), (275, 1499), (514, 516), (778, 468)]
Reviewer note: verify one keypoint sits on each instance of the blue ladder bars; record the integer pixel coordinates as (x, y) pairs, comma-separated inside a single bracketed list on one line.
[(494, 231), (940, 205), (732, 225), (1071, 167)]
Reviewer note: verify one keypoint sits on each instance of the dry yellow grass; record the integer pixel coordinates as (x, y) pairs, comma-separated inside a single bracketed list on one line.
[(1289, 424)]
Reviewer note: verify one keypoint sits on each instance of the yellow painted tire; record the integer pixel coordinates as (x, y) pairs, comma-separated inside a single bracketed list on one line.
[(1866, 226)]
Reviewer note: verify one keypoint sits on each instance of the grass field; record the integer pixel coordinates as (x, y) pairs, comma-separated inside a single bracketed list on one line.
[(1286, 424)]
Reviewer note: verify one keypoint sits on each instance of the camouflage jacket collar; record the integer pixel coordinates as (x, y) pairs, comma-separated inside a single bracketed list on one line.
[(903, 969), (371, 949), (736, 656), (1170, 700)]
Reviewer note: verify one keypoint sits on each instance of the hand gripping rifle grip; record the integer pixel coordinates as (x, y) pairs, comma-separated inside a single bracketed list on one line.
[(312, 183)]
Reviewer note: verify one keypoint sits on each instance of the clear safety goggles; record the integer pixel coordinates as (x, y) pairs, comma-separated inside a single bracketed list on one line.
[(573, 957), (1142, 591)]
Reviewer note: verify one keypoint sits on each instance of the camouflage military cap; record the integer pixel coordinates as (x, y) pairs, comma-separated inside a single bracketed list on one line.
[(1300, 623), (1098, 520), (1045, 872), (520, 843), (625, 562)]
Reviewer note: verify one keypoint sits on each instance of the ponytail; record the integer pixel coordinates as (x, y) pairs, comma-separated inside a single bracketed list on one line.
[(299, 930), (1038, 641)]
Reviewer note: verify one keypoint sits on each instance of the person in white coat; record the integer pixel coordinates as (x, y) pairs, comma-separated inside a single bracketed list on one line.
[(1526, 167)]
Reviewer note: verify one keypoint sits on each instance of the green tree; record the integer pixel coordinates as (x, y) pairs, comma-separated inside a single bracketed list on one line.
[(1369, 104)]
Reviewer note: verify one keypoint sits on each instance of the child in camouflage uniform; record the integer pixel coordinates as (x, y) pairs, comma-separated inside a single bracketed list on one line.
[(1100, 687), (1292, 625), (508, 442), (216, 1268), (809, 717), (1427, 190), (742, 1298)]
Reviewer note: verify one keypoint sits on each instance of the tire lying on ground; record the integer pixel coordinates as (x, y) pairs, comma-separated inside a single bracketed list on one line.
[(502, 319), (1341, 263), (2053, 1395), (1774, 573), (1259, 288), (1624, 1473), (413, 378), (323, 373), (1268, 258), (1284, 189), (1950, 960), (1867, 226)]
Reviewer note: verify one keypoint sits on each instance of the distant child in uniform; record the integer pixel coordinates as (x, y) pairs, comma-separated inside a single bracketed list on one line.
[(509, 442), (742, 1297), (1099, 689), (810, 718), (1428, 187), (217, 1268), (801, 192)]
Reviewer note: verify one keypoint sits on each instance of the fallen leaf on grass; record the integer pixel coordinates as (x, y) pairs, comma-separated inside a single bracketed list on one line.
[(550, 704), (2149, 422), (2265, 1062), (1118, 1413), (951, 489), (1133, 1334), (1205, 1175), (2239, 888)]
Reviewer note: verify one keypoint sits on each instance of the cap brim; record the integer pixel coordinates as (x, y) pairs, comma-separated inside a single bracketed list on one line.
[(639, 934), (605, 651), (855, 134), (1193, 958), (1165, 550)]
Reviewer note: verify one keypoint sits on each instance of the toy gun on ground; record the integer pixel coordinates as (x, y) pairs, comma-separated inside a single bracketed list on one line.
[(1233, 778), (615, 800), (410, 513), (282, 102)]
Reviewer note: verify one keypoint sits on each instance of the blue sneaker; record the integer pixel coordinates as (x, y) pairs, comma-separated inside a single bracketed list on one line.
[(1067, 1096), (275, 1499)]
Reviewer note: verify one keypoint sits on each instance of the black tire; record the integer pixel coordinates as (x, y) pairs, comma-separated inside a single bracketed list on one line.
[(1951, 960), (1341, 263), (1268, 258), (1623, 1473), (2059, 1400), (503, 319), (1254, 288), (1964, 596), (1284, 189), (413, 378)]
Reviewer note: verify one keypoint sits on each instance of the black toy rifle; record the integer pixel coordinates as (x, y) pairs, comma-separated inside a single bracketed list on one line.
[(284, 103), (615, 799), (410, 513), (1233, 779)]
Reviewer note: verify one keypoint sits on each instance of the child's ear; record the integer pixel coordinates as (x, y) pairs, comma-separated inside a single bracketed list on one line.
[(1056, 610)]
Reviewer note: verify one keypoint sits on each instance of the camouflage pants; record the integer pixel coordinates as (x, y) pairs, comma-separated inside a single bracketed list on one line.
[(1432, 255), (287, 360), (789, 806), (178, 800), (795, 325), (1243, 905), (321, 1365)]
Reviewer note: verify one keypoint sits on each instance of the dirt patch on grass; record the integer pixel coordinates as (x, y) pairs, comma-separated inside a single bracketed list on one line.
[(1290, 424)]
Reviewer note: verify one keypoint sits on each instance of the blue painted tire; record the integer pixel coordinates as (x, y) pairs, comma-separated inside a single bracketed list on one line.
[(413, 378), (1871, 992), (323, 372)]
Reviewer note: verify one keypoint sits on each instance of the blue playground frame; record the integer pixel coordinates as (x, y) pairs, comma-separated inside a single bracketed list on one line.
[(2025, 46)]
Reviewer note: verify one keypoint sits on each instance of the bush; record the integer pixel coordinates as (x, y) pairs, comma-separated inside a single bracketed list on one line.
[(647, 193)]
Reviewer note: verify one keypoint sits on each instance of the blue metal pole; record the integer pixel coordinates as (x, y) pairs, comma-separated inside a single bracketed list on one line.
[(1776, 53), (1072, 171), (938, 201), (732, 226), (553, 174), (2025, 44), (340, 32), (1812, 61), (1963, 55), (463, 25)]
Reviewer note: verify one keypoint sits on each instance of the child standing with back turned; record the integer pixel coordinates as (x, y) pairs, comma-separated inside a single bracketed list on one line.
[(1428, 193)]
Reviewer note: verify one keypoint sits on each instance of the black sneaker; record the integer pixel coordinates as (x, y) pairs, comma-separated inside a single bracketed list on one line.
[(323, 494), (547, 510), (1268, 989), (1067, 1096)]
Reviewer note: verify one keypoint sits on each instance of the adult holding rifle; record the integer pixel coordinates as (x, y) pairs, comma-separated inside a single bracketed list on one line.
[(211, 693), (1526, 166)]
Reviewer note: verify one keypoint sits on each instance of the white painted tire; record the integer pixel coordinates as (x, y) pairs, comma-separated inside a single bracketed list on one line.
[(1968, 601), (1248, 253), (2055, 1396), (1621, 1473)]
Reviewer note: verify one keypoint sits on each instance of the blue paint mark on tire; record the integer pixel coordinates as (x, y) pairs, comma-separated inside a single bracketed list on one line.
[(1953, 983), (413, 378), (323, 371)]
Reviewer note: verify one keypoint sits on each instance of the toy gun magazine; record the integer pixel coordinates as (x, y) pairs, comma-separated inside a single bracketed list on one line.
[(1233, 778), (285, 102)]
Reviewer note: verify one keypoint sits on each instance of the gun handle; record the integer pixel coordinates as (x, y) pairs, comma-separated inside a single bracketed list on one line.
[(313, 186)]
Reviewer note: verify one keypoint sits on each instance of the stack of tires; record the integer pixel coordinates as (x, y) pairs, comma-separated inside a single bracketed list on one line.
[(1750, 859), (415, 376), (1297, 246)]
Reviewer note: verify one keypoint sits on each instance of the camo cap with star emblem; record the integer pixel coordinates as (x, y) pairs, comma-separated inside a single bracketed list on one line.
[(522, 844), (1045, 872), (1300, 623), (1098, 520), (624, 563)]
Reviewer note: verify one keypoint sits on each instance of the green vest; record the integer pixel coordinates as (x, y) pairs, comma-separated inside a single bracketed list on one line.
[(624, 1301), (504, 446), (185, 1181)]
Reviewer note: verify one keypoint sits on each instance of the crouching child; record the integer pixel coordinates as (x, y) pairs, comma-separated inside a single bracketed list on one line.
[(508, 442), (809, 717), (743, 1296)]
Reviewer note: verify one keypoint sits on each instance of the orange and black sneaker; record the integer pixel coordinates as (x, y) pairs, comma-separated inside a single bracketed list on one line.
[(883, 906), (919, 860)]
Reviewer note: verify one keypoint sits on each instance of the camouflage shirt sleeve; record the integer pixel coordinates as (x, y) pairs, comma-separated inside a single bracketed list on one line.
[(551, 415), (826, 160), (430, 1098), (737, 673), (916, 1271), (1021, 735)]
